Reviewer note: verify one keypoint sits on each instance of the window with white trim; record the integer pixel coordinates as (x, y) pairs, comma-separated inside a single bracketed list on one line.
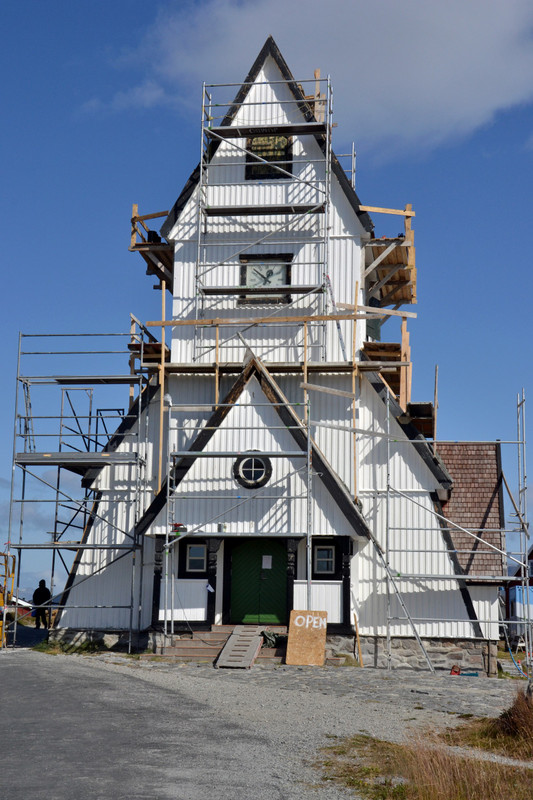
[(196, 558), (324, 560)]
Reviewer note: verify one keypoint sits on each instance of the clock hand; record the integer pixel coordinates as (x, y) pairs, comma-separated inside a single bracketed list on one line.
[(258, 273), (269, 275)]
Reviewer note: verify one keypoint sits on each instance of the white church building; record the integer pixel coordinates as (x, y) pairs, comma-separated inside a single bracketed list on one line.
[(276, 457)]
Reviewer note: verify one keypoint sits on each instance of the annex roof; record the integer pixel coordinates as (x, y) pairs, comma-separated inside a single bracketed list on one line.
[(270, 48), (475, 503)]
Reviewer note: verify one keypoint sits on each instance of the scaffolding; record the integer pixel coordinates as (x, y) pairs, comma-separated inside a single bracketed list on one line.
[(76, 432)]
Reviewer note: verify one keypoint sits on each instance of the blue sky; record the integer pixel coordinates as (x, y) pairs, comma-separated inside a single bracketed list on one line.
[(101, 108)]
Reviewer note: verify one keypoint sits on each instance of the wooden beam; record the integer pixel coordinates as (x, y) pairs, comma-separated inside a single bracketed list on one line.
[(386, 298), (382, 256), (385, 312), (407, 212), (134, 211), (404, 377), (354, 407), (385, 280), (376, 366), (261, 320), (337, 392), (135, 215), (409, 235)]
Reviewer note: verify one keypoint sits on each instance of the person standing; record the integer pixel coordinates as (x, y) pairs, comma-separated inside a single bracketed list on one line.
[(41, 596)]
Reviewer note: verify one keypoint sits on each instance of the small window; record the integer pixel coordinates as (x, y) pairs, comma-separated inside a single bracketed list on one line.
[(327, 558), (252, 471), (192, 558), (276, 150), (324, 560), (196, 558)]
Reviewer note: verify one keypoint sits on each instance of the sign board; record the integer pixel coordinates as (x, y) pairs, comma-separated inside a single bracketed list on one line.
[(306, 645)]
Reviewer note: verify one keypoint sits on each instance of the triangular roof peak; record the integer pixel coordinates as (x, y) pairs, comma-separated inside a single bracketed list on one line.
[(270, 48)]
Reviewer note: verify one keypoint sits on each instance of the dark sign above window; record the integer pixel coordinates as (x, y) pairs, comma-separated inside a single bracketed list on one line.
[(276, 150)]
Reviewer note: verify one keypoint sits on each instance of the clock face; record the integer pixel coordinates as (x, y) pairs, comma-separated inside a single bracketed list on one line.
[(267, 274)]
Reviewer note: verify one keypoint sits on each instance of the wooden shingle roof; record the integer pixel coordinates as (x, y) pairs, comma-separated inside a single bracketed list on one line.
[(475, 503)]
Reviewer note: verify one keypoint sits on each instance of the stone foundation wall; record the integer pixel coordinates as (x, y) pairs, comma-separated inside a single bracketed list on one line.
[(471, 655), (145, 640)]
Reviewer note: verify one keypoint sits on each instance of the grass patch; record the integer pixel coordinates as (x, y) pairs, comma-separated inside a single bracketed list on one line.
[(366, 765), (380, 770), (45, 646), (510, 734), (349, 660), (82, 648)]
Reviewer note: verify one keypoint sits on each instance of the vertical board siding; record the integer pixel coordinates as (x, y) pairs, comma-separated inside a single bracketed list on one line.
[(104, 577), (209, 496), (485, 600), (183, 601), (325, 596)]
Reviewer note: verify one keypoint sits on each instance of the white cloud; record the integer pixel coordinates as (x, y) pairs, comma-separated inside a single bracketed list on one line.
[(411, 74), (148, 94)]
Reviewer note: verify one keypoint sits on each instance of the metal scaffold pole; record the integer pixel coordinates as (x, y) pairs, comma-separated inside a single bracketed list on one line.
[(387, 538), (525, 569), (309, 542)]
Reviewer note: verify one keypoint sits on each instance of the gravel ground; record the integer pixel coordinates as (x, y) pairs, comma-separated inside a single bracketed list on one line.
[(232, 733)]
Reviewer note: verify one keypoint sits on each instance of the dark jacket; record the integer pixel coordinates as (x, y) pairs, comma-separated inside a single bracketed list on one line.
[(41, 595)]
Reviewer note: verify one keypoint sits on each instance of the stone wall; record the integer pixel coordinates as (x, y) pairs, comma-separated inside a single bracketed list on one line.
[(471, 655), (69, 637)]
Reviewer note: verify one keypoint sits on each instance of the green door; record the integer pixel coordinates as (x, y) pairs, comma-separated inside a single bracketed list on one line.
[(259, 582)]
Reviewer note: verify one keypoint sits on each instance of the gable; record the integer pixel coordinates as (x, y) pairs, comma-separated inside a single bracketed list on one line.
[(290, 433), (269, 64)]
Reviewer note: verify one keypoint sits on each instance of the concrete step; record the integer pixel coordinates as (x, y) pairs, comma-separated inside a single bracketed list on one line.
[(271, 655), (207, 641), (206, 646), (282, 629), (209, 636), (176, 659), (191, 648)]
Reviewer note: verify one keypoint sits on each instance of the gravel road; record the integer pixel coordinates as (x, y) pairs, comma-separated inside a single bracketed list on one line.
[(108, 726)]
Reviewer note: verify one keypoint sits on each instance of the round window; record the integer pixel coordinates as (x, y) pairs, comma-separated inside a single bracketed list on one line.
[(252, 471)]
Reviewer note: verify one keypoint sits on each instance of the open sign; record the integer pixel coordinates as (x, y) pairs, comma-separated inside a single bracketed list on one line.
[(306, 645)]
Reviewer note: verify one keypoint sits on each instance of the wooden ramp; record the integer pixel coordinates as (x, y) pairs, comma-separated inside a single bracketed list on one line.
[(242, 647)]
